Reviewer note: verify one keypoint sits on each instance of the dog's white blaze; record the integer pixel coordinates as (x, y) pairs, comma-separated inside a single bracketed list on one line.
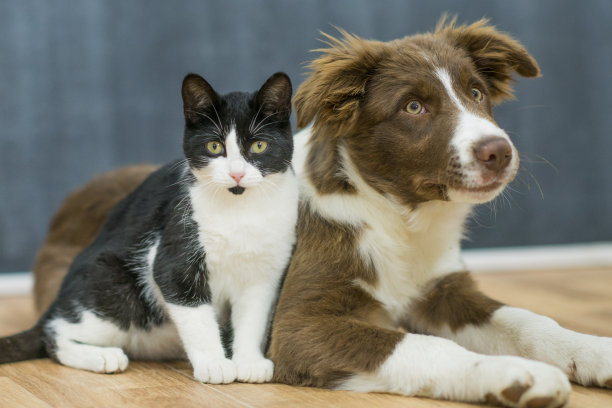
[(471, 129)]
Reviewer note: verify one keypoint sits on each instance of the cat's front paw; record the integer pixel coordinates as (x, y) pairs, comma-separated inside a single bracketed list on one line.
[(215, 371), (258, 370), (591, 362)]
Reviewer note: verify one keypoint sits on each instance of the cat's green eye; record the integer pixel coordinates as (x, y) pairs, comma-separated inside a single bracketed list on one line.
[(259, 146), (214, 147)]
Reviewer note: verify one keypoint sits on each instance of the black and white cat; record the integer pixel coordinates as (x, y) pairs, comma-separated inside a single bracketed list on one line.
[(202, 241)]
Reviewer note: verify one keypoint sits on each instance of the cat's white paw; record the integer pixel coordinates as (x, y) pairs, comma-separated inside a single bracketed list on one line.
[(215, 371), (591, 361), (517, 382), (92, 358), (258, 370), (115, 360)]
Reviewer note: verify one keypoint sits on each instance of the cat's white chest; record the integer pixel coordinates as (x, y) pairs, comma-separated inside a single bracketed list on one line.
[(248, 238)]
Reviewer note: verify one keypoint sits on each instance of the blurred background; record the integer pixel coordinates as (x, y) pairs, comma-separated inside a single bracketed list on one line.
[(86, 86)]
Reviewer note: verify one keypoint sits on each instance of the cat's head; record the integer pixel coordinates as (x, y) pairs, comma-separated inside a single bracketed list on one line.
[(233, 141)]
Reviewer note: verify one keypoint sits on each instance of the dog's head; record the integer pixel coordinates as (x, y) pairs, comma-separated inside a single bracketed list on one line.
[(414, 115)]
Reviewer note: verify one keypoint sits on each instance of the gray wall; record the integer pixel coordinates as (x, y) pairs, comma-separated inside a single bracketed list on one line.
[(86, 86)]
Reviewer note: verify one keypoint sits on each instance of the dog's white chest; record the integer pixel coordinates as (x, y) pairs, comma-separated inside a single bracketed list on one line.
[(407, 252)]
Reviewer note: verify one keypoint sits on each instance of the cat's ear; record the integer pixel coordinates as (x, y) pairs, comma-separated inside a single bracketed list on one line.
[(274, 96), (198, 97), (495, 54)]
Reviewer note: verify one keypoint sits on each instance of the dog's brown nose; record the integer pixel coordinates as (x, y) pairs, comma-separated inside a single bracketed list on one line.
[(494, 153)]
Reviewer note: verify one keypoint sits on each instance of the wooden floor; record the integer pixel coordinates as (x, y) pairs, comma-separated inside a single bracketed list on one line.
[(580, 300)]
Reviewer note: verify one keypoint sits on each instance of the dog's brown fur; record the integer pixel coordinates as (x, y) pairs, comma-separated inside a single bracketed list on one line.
[(75, 225), (453, 300)]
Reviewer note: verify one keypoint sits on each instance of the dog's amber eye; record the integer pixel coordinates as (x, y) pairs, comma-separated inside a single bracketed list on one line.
[(477, 94), (415, 107), (214, 147), (259, 146)]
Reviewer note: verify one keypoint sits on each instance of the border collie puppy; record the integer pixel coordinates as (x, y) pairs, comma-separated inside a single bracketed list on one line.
[(402, 144)]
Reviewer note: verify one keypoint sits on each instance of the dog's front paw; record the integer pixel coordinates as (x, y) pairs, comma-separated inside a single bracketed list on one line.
[(517, 382), (257, 370), (591, 362), (215, 371)]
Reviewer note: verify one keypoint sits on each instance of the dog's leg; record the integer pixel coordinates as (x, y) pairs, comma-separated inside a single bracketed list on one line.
[(435, 367), (344, 353), (453, 308)]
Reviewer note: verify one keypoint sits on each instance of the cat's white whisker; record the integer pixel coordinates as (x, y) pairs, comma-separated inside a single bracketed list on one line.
[(218, 126), (254, 119), (263, 126), (218, 118), (262, 122)]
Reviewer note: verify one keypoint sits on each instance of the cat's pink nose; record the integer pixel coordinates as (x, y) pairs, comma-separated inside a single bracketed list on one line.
[(237, 175)]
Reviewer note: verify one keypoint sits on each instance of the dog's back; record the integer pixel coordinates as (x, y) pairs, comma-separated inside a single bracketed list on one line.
[(75, 225)]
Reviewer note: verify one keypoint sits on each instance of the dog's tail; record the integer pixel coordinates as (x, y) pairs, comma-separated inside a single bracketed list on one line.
[(27, 345)]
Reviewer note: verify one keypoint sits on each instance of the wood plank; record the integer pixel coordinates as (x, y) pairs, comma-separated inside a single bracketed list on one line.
[(578, 300), (281, 396), (13, 395)]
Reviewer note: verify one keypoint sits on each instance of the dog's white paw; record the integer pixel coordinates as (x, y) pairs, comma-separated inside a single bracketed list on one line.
[(215, 371), (591, 360), (257, 370), (517, 382)]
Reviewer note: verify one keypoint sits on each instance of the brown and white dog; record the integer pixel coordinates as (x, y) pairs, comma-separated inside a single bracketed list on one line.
[(402, 144)]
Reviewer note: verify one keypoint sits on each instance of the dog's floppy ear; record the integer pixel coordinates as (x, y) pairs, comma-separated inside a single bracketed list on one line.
[(337, 82), (495, 54)]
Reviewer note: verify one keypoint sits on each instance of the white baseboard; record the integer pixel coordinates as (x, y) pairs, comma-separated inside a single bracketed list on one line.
[(596, 255), (16, 283), (593, 255)]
